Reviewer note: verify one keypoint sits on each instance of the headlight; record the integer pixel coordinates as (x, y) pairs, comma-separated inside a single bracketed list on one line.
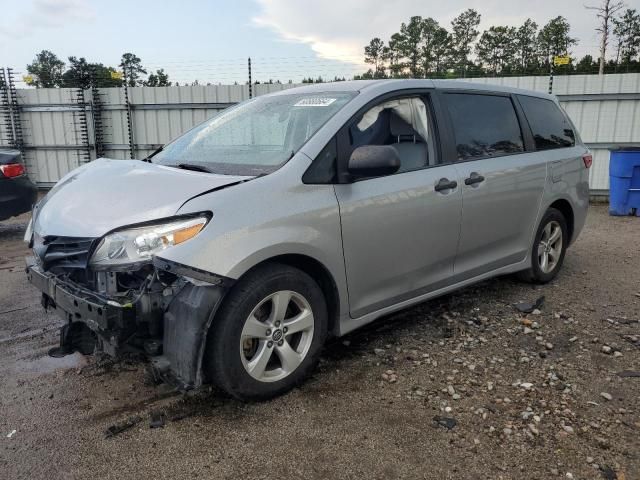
[(137, 245)]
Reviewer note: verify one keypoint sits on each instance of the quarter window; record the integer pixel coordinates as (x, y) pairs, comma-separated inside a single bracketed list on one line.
[(549, 125), (484, 125)]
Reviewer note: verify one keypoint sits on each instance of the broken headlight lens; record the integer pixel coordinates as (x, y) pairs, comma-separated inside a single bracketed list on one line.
[(140, 244)]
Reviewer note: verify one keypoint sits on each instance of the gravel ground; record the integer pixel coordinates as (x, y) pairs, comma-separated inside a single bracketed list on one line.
[(462, 387)]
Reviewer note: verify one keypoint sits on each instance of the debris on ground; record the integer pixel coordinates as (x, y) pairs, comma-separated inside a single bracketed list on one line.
[(117, 429), (156, 420), (506, 405), (11, 433), (526, 307), (608, 473), (446, 422)]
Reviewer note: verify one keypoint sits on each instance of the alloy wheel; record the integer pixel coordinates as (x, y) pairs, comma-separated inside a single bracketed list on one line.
[(550, 247), (276, 336)]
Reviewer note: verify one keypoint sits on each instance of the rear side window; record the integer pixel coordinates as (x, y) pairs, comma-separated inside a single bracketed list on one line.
[(484, 125), (549, 125)]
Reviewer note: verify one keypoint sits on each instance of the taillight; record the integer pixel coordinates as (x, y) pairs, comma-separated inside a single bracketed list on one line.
[(587, 159), (12, 170)]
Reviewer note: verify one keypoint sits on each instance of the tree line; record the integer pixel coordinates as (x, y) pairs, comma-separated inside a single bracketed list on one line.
[(423, 48), (48, 71)]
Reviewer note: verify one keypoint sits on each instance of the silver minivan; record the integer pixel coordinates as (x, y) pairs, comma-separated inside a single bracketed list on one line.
[(230, 255)]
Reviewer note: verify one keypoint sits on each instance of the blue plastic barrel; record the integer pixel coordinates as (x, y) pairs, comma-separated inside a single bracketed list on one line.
[(624, 179)]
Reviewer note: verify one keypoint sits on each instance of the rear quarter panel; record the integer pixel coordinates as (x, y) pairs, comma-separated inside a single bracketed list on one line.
[(569, 181)]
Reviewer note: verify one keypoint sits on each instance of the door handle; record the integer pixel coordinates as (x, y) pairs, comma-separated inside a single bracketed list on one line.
[(473, 179), (445, 184)]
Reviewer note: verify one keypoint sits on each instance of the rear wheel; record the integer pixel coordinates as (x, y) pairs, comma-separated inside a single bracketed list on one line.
[(549, 247), (267, 337)]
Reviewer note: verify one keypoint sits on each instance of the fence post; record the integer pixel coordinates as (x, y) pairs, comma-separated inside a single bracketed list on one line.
[(5, 107), (81, 125), (132, 153), (96, 115), (11, 115), (250, 84)]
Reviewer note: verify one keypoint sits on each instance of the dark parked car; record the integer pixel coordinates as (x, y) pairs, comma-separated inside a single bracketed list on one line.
[(17, 192)]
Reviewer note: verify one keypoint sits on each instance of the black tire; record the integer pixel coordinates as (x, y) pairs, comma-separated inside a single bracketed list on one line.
[(223, 361), (535, 274)]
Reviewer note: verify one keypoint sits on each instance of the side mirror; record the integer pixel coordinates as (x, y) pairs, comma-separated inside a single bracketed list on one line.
[(373, 161)]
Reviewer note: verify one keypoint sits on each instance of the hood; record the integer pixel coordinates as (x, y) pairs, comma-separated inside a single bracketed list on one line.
[(106, 194)]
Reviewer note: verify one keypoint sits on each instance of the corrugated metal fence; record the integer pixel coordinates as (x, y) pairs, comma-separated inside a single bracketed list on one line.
[(61, 126), (53, 121)]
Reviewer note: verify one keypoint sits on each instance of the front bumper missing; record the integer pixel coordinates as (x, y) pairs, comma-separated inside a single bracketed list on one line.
[(186, 319), (109, 320)]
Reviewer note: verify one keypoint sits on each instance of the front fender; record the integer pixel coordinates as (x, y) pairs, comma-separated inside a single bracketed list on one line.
[(186, 325)]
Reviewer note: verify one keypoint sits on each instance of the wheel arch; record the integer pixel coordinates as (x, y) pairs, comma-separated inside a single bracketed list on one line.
[(320, 273), (564, 207)]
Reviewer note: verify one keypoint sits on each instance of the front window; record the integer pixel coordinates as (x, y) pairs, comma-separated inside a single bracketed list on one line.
[(255, 137)]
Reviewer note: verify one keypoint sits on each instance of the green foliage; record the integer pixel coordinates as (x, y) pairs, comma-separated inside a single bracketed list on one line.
[(422, 48), (393, 55), (409, 44), (554, 38), (464, 31), (527, 60), (46, 70), (626, 30), (373, 53), (312, 80), (586, 65), (497, 49), (133, 70), (82, 74), (158, 79), (436, 44)]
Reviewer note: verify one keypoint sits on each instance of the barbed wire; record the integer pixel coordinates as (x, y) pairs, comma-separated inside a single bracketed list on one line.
[(289, 69)]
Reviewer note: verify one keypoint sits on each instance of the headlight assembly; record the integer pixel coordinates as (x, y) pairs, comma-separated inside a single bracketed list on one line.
[(140, 244)]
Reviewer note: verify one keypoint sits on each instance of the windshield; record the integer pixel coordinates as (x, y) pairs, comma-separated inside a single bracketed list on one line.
[(255, 137)]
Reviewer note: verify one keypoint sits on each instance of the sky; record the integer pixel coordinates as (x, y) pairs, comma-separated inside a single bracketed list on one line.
[(211, 40)]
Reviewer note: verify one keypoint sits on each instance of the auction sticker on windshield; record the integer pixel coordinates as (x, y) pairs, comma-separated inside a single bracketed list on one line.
[(315, 102)]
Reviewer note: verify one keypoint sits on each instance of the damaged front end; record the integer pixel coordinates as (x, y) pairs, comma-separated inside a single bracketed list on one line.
[(116, 296)]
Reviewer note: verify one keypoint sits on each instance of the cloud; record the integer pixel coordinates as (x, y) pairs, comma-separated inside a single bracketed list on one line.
[(339, 29), (47, 14)]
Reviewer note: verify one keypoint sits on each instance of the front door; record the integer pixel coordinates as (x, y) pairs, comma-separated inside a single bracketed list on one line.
[(399, 232)]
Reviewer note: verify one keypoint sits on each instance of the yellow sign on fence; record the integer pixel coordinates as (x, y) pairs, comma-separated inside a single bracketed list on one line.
[(561, 60), (28, 79), (116, 75)]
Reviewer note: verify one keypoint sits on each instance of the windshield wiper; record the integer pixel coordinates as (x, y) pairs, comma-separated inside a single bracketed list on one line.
[(156, 151), (192, 166)]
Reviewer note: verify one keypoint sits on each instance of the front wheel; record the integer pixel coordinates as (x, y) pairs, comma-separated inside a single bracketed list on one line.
[(267, 337), (549, 248)]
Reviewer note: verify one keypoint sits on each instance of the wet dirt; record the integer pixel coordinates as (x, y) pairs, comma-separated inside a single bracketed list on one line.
[(462, 387)]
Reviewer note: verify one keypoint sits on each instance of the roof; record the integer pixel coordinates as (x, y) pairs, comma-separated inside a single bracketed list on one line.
[(359, 85), (464, 84)]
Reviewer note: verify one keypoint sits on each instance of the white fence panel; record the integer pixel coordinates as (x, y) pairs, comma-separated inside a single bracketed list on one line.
[(605, 109)]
